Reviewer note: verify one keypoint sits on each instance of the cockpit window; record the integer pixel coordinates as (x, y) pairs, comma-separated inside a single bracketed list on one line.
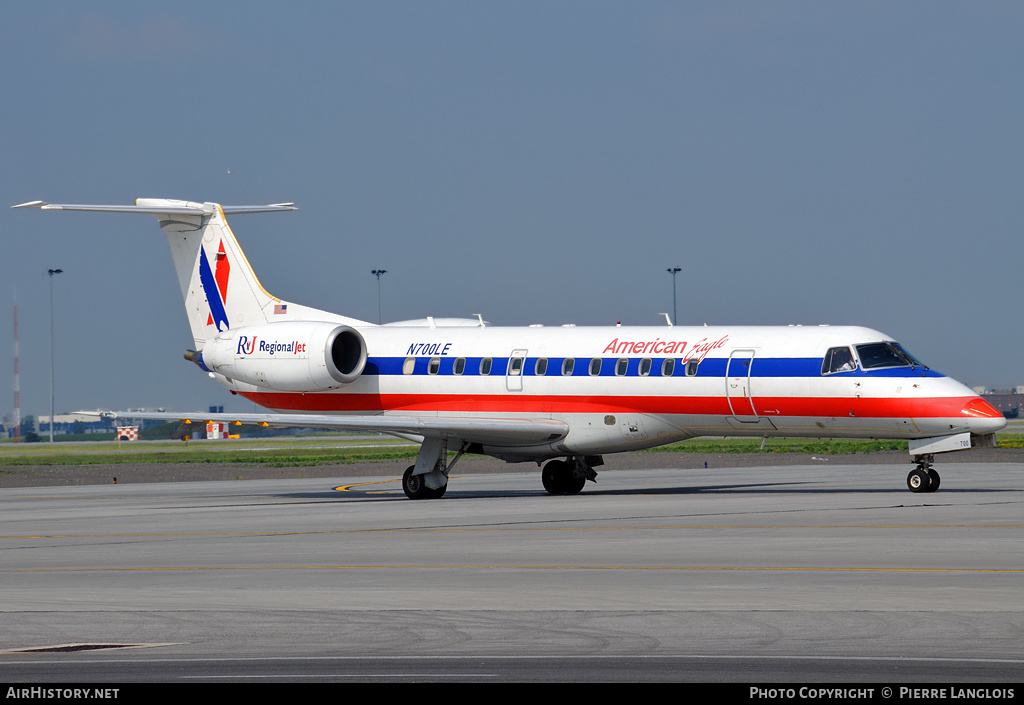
[(838, 360), (914, 362), (877, 355)]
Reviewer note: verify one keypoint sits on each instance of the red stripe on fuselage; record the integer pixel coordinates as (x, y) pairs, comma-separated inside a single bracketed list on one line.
[(773, 407)]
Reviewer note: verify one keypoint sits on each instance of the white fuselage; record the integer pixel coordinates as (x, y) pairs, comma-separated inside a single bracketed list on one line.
[(616, 391)]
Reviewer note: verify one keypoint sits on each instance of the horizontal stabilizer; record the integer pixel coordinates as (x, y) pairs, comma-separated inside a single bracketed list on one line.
[(159, 206)]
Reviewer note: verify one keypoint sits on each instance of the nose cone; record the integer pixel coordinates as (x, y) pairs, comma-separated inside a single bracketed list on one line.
[(982, 417)]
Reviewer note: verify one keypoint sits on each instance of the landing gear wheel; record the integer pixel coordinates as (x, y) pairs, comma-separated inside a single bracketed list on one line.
[(919, 481), (558, 478), (923, 478), (414, 485), (574, 485), (554, 475)]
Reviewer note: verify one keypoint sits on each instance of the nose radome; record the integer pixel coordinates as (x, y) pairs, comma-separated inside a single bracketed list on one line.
[(982, 417)]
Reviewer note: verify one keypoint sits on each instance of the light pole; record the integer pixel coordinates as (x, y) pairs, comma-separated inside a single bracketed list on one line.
[(378, 273), (674, 271), (51, 272)]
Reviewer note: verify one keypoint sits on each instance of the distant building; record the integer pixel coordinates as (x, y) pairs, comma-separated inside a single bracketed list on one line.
[(73, 423), (1009, 402)]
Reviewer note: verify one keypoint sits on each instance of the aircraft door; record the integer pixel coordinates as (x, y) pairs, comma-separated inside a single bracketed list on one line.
[(737, 385), (514, 373)]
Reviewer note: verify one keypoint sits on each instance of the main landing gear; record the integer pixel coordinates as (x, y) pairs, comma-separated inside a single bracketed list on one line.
[(415, 486), (570, 475), (431, 481), (923, 478)]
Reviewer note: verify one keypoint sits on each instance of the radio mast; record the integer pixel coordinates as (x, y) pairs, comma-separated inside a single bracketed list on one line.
[(17, 382)]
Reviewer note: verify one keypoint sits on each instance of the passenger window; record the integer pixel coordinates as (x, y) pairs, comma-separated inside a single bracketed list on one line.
[(645, 367), (691, 367), (668, 367), (595, 367), (515, 367), (434, 366), (485, 366), (838, 360), (460, 365), (620, 367), (567, 366), (541, 368), (409, 365)]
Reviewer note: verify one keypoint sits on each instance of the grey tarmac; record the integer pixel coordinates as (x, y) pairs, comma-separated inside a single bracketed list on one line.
[(823, 571)]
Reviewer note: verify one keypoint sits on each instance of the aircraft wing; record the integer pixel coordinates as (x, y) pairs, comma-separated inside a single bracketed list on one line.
[(486, 431)]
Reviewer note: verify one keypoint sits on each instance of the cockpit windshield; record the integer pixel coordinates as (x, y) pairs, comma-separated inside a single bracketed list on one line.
[(889, 354)]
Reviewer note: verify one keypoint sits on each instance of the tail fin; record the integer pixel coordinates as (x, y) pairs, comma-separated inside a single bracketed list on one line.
[(217, 282)]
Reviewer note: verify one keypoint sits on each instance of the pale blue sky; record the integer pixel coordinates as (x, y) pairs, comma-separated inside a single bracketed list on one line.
[(536, 162)]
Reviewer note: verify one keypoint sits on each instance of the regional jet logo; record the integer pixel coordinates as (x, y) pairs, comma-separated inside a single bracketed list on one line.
[(247, 346), (215, 286)]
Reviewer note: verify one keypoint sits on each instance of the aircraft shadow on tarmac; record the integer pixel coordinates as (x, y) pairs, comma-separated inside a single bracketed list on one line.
[(378, 492)]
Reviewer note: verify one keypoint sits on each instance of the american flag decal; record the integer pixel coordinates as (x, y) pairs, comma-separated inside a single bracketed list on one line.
[(280, 308)]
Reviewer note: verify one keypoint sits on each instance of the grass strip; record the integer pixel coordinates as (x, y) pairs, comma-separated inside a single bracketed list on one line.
[(297, 452)]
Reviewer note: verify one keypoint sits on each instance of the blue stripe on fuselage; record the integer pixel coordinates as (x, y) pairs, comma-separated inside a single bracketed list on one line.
[(709, 367)]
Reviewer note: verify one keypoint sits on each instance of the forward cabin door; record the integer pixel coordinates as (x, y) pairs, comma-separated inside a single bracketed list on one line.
[(739, 392), (738, 386)]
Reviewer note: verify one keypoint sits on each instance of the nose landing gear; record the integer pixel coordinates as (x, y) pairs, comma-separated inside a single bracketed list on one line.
[(923, 478)]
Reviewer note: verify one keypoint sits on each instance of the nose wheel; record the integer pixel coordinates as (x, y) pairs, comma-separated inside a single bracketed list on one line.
[(923, 478)]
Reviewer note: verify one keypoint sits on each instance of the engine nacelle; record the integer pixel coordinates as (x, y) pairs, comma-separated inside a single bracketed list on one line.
[(291, 357)]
